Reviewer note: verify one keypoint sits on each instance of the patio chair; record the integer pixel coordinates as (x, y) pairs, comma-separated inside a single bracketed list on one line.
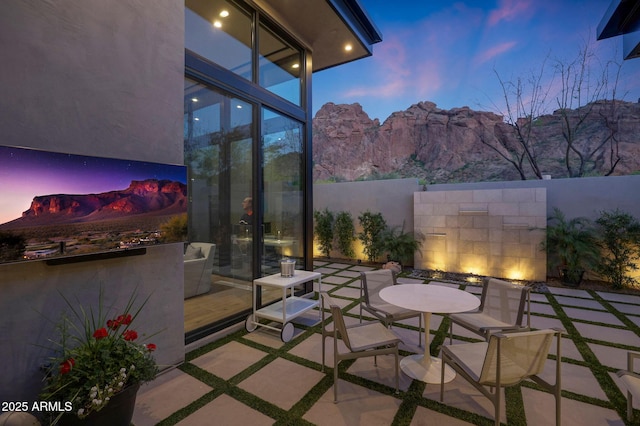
[(502, 307), (361, 340), (371, 282), (631, 382), (505, 360)]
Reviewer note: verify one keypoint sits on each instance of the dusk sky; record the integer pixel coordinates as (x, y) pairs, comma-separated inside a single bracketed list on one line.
[(446, 52), (28, 173)]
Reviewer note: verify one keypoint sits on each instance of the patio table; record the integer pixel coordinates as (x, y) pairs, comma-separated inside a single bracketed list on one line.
[(428, 299)]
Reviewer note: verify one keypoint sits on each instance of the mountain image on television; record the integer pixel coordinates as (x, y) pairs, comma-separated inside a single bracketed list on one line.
[(54, 204)]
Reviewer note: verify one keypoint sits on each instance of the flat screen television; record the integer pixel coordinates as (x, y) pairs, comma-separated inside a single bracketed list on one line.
[(65, 206)]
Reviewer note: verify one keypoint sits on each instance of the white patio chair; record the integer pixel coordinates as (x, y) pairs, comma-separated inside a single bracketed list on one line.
[(502, 307), (371, 282), (361, 340), (631, 382), (505, 360)]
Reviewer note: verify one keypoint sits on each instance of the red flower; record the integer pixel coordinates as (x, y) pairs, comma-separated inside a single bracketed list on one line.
[(100, 333), (124, 319), (113, 324), (67, 365), (151, 347), (130, 335)]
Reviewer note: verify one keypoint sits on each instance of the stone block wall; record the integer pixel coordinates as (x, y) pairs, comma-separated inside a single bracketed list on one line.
[(494, 232)]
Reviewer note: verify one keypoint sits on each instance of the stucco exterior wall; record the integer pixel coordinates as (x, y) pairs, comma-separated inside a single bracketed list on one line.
[(393, 198), (93, 78), (585, 197)]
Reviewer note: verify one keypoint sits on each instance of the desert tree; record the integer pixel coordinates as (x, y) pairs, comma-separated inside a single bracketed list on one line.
[(582, 91), (514, 140), (588, 92)]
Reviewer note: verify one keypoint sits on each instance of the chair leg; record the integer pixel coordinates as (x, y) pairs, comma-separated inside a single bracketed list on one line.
[(397, 372), (442, 380), (323, 353), (419, 331), (497, 405), (629, 406), (335, 369)]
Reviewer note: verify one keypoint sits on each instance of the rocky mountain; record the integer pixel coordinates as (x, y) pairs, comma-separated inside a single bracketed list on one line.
[(153, 196), (446, 145)]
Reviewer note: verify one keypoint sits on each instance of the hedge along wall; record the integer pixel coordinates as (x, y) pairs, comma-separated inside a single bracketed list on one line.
[(393, 198)]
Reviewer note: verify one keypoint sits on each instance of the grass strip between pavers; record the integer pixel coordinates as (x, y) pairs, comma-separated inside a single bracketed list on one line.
[(413, 397)]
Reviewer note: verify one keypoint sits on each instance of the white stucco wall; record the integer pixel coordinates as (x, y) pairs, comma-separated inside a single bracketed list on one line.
[(94, 78)]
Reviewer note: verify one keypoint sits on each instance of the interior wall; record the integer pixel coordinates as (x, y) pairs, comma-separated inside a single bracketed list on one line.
[(92, 78)]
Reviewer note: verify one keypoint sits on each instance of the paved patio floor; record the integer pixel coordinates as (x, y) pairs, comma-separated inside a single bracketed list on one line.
[(255, 378)]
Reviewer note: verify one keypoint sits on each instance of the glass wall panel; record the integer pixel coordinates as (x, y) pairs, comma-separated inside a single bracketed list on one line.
[(220, 31), (283, 190), (218, 140), (280, 66)]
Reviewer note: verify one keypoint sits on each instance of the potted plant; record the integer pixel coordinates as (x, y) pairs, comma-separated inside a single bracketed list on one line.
[(98, 365), (401, 246), (571, 245)]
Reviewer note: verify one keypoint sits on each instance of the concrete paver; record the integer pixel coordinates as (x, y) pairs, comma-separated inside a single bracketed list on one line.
[(287, 378)]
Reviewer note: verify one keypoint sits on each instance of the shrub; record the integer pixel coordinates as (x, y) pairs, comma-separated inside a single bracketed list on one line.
[(570, 244), (324, 230), (619, 238), (401, 246), (373, 226), (345, 233)]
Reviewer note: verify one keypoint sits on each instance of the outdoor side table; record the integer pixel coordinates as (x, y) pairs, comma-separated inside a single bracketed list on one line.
[(286, 309)]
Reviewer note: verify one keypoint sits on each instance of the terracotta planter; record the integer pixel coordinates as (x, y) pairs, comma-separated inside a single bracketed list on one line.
[(118, 412)]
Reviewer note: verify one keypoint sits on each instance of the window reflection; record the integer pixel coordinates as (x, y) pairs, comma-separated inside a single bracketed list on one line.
[(220, 31), (218, 144), (283, 190), (280, 66)]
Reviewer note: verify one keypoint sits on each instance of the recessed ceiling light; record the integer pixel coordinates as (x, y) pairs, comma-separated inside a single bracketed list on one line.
[(217, 24), (348, 47), (196, 119), (295, 66), (239, 106), (194, 99), (224, 13)]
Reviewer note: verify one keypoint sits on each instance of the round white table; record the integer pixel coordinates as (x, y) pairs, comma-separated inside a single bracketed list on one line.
[(428, 299)]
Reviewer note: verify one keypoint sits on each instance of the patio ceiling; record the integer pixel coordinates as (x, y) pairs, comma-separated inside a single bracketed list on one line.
[(327, 27), (623, 18)]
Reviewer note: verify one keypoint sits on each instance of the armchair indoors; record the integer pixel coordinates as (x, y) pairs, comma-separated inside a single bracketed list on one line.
[(631, 382), (198, 267), (371, 282), (505, 360), (361, 340), (502, 307)]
